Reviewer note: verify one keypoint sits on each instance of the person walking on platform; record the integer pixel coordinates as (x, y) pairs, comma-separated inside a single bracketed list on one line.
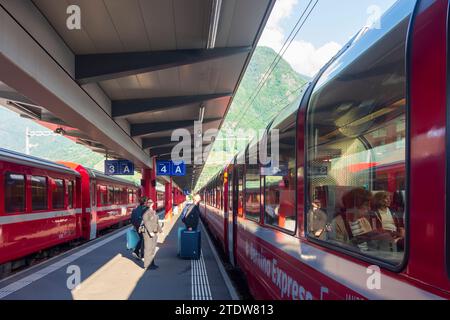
[(150, 228), (136, 220), (191, 216)]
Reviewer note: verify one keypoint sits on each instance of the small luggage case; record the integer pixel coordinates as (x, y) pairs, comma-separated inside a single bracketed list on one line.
[(190, 244), (132, 239)]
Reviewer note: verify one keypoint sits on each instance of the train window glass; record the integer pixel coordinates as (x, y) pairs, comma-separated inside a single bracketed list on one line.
[(280, 180), (230, 190), (39, 193), (252, 192), (116, 196), (58, 194), (240, 191), (103, 198), (70, 189), (14, 193), (110, 195), (356, 129)]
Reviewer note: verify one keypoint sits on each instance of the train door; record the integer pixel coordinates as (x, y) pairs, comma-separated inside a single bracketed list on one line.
[(93, 209), (231, 215)]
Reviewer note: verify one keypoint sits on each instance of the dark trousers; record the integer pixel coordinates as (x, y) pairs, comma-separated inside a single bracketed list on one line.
[(139, 250)]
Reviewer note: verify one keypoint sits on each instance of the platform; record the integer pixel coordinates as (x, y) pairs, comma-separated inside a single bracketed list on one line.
[(108, 271)]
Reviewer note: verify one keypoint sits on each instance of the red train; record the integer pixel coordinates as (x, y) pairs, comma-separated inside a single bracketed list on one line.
[(358, 206), (44, 204)]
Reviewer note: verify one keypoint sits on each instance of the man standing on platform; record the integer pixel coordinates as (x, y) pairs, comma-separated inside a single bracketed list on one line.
[(136, 220), (191, 215)]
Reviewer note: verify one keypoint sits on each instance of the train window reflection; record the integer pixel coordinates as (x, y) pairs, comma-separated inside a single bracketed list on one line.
[(14, 193), (58, 194), (279, 190), (39, 193), (252, 192), (356, 153), (70, 190)]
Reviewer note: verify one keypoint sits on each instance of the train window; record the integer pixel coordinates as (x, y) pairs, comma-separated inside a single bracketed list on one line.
[(39, 193), (58, 194), (70, 189), (110, 195), (252, 192), (102, 195), (230, 190), (14, 193), (280, 181), (356, 130)]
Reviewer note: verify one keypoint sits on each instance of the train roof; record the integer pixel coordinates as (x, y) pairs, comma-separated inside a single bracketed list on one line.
[(23, 159)]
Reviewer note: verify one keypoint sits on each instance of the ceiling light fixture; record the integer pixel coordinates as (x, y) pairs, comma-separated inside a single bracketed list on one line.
[(213, 23), (201, 113)]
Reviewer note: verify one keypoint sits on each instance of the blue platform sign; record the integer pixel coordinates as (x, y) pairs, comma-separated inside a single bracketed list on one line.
[(169, 168), (178, 169), (163, 168), (119, 168)]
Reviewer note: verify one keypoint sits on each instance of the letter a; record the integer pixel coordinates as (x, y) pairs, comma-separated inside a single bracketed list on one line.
[(73, 22)]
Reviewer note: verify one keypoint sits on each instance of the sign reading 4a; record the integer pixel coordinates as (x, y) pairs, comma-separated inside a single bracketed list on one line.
[(169, 168)]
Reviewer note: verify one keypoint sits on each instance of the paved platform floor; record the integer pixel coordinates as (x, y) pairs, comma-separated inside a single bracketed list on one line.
[(108, 271)]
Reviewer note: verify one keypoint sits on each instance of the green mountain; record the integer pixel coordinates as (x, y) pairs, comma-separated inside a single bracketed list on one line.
[(268, 86), (54, 148)]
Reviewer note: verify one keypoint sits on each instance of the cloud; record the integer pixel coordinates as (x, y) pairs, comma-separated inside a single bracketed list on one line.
[(303, 56), (306, 59)]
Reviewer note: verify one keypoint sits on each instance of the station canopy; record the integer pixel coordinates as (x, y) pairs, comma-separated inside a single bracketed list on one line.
[(135, 71)]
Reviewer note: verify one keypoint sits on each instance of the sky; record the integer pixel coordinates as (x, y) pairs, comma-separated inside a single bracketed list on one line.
[(331, 24)]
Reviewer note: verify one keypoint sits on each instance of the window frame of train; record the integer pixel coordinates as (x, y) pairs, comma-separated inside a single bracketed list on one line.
[(45, 205), (256, 167), (56, 193), (70, 194), (287, 119), (24, 192), (334, 71)]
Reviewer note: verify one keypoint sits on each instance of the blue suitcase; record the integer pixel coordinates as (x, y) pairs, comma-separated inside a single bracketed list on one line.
[(180, 229), (190, 244)]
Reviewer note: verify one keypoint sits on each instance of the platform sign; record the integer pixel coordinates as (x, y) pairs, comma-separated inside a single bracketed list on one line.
[(186, 192), (119, 168), (178, 169), (163, 168), (169, 168)]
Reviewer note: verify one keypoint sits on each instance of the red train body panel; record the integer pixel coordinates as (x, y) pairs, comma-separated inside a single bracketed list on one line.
[(386, 138), (45, 204)]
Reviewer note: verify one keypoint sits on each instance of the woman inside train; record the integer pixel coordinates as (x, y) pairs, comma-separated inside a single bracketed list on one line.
[(351, 226)]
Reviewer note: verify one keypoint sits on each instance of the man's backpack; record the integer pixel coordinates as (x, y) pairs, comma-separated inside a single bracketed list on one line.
[(136, 216), (186, 211)]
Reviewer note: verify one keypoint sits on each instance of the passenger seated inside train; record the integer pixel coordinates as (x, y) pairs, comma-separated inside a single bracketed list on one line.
[(386, 221), (317, 219), (272, 207), (352, 224)]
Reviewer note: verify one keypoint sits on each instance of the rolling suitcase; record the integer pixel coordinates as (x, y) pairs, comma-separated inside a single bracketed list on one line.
[(190, 246)]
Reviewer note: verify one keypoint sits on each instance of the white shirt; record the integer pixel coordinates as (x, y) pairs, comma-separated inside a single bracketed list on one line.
[(387, 220)]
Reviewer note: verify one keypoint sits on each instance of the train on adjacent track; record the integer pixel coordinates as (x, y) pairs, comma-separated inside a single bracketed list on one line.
[(356, 205), (45, 204)]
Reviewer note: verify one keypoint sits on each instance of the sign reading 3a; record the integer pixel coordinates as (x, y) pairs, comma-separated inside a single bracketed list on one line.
[(119, 168), (170, 168)]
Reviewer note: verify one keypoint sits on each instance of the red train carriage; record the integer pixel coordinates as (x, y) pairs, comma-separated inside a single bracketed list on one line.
[(44, 204), (357, 207), (40, 206)]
